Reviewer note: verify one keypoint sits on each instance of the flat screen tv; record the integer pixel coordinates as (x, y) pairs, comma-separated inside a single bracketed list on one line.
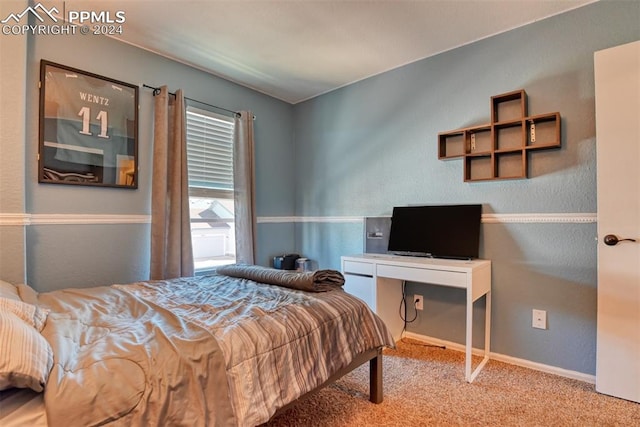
[(442, 231)]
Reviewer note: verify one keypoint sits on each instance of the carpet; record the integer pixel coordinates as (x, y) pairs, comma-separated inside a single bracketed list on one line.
[(425, 386)]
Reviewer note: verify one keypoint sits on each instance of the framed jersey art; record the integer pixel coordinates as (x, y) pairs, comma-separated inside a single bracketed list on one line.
[(88, 129)]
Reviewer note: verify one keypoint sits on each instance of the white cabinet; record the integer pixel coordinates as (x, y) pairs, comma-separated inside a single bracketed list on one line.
[(364, 287), (358, 281)]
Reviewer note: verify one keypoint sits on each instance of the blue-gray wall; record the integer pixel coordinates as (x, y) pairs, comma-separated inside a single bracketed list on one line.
[(354, 152), (13, 51), (364, 148), (78, 255)]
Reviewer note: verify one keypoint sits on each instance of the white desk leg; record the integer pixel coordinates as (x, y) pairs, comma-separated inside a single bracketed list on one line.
[(469, 337), (487, 326), (470, 376)]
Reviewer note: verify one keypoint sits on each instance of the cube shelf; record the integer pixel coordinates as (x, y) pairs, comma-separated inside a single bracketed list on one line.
[(500, 149)]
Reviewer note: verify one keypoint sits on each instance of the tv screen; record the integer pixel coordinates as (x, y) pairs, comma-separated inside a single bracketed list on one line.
[(445, 231)]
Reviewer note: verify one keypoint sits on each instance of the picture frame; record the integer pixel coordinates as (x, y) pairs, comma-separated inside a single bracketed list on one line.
[(88, 129)]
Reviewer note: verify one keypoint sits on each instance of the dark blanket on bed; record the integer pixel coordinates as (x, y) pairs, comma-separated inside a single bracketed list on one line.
[(310, 281)]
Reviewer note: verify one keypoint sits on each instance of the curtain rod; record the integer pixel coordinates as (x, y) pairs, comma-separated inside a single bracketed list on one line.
[(156, 90)]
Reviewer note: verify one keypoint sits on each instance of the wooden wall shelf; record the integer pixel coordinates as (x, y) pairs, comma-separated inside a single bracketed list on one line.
[(500, 149)]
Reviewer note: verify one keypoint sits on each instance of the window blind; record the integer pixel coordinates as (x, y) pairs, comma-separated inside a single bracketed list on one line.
[(209, 149)]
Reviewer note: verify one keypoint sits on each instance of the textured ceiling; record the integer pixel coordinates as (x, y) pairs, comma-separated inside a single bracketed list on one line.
[(297, 49)]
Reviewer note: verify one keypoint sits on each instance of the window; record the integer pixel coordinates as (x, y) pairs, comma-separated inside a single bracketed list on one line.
[(211, 205)]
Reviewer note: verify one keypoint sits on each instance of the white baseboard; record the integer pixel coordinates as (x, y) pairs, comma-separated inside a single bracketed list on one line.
[(591, 379)]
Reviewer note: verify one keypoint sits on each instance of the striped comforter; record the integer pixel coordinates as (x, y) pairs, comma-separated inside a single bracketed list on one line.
[(270, 346)]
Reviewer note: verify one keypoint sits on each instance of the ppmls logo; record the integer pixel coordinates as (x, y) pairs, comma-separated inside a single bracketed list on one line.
[(34, 11), (82, 21)]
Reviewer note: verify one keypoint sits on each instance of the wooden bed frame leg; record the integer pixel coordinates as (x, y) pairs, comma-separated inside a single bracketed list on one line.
[(375, 378)]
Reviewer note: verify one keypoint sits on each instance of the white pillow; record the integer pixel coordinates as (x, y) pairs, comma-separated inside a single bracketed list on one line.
[(32, 314), (26, 357), (7, 290), (27, 293)]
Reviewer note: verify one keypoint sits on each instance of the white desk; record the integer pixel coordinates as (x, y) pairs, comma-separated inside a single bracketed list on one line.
[(377, 279)]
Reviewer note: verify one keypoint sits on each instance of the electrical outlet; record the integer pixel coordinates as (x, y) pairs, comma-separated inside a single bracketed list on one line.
[(418, 302), (539, 319)]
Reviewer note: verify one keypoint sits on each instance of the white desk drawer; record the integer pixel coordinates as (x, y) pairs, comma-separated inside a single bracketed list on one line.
[(362, 287), (354, 267), (455, 279)]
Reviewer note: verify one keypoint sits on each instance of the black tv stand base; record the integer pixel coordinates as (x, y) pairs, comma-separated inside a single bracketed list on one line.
[(425, 255)]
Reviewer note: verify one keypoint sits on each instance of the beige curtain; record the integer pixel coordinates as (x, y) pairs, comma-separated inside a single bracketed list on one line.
[(171, 251), (244, 188)]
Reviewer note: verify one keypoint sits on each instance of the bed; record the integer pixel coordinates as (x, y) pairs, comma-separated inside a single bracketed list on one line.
[(228, 349)]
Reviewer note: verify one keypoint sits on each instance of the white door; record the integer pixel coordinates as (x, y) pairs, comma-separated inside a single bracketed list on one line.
[(617, 77)]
